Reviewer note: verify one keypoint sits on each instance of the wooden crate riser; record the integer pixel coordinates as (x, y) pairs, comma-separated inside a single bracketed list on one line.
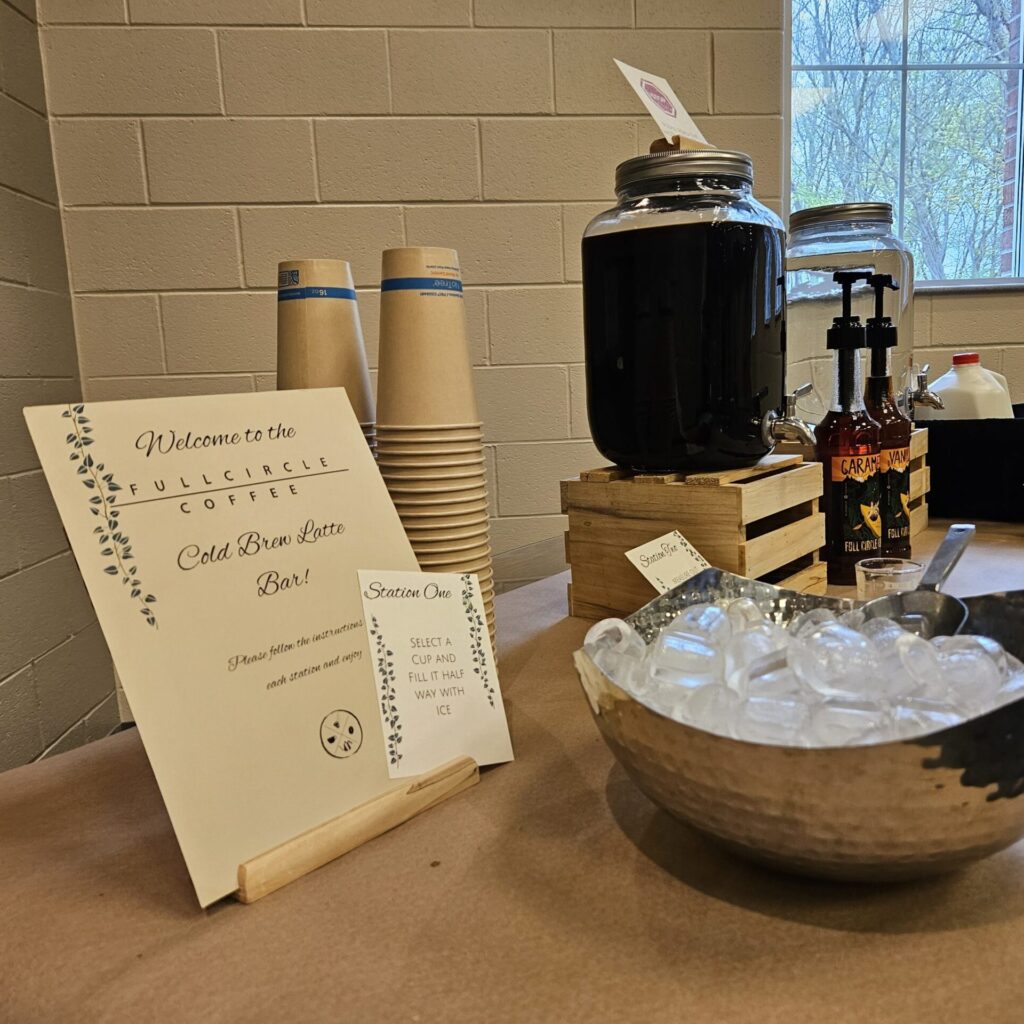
[(727, 506), (751, 521), (609, 536)]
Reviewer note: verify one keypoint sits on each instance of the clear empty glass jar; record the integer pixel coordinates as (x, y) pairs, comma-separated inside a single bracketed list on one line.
[(822, 240)]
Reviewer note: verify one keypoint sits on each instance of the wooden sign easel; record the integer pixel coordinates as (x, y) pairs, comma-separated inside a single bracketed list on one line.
[(319, 846)]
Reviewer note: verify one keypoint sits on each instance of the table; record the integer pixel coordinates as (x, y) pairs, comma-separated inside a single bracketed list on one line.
[(553, 891)]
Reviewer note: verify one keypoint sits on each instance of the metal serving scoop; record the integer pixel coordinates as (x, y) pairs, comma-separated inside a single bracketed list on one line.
[(925, 611)]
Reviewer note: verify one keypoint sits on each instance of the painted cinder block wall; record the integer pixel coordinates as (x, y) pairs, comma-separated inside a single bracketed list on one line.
[(197, 144), (56, 681)]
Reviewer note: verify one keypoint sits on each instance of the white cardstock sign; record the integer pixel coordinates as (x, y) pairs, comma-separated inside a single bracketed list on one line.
[(438, 687), (662, 104), (668, 561), (220, 539)]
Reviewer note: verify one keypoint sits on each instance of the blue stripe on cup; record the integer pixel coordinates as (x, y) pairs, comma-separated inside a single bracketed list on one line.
[(421, 284), (314, 292)]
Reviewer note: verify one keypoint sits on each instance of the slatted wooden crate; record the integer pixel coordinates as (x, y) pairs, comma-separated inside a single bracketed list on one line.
[(920, 474), (762, 521)]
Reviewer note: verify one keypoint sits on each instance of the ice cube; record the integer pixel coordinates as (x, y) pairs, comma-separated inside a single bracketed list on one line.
[(707, 620), (685, 659), (616, 649), (836, 661), (1012, 688), (919, 716), (806, 622), (841, 723), (748, 646), (909, 665), (776, 720), (972, 675), (881, 630), (711, 708), (769, 676), (854, 618), (997, 654), (744, 614)]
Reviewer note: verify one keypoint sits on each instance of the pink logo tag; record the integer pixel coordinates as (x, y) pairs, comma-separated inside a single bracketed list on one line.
[(658, 97)]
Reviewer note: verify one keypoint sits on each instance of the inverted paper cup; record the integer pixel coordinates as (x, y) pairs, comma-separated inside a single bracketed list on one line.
[(471, 554), (406, 451), (419, 485), (435, 535), (443, 461), (415, 428), (454, 566), (431, 436), (425, 373), (450, 545), (425, 499), (432, 472), (462, 510), (319, 335), (431, 532)]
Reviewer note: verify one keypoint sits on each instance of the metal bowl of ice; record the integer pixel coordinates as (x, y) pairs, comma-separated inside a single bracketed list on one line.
[(874, 808)]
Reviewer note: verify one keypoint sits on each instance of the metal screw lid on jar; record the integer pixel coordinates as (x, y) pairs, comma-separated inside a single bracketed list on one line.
[(840, 212), (683, 163)]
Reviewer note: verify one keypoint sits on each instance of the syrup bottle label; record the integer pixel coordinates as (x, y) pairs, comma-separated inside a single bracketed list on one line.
[(894, 466), (856, 494)]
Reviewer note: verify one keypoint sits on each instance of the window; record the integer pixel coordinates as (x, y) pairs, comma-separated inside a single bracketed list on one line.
[(915, 102)]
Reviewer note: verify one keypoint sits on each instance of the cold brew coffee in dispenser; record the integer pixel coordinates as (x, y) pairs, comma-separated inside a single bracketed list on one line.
[(684, 315)]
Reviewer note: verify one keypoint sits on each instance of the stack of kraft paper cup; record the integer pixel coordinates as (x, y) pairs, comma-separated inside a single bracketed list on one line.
[(429, 434), (320, 337)]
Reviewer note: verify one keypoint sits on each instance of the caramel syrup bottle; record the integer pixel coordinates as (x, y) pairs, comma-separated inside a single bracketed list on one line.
[(894, 457), (849, 443)]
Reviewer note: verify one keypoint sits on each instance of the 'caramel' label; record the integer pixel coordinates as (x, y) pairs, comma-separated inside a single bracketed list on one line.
[(854, 467), (855, 526)]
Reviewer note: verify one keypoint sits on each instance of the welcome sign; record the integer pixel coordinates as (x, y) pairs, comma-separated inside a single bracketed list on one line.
[(220, 539)]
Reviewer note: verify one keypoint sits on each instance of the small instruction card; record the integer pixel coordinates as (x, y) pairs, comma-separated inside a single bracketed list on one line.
[(668, 561), (436, 681), (662, 104)]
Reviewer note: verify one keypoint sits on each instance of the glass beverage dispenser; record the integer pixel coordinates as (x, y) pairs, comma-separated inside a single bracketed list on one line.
[(684, 316), (843, 237)]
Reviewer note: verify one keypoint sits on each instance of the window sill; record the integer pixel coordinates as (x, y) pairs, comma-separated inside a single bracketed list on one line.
[(1010, 284)]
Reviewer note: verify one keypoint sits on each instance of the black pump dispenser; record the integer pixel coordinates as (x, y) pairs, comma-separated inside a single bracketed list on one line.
[(881, 331), (848, 443), (847, 332)]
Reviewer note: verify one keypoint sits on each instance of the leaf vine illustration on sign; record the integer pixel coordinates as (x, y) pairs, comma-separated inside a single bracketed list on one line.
[(114, 542)]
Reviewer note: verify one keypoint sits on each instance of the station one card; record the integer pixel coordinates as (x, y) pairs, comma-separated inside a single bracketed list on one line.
[(220, 540), (436, 678)]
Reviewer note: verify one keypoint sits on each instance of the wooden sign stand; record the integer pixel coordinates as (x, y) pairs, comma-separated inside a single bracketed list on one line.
[(319, 846)]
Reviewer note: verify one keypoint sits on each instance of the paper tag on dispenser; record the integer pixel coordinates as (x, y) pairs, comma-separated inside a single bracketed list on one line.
[(662, 104), (667, 561)]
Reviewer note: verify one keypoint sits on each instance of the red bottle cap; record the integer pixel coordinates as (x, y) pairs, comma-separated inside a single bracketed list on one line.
[(963, 358)]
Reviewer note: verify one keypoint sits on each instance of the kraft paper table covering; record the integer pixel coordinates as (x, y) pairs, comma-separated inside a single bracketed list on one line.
[(553, 891)]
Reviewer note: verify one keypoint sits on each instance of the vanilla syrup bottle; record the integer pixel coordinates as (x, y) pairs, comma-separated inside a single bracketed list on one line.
[(849, 443), (894, 427)]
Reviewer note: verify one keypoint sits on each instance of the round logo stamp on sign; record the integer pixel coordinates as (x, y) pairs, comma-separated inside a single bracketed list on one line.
[(658, 97), (341, 735)]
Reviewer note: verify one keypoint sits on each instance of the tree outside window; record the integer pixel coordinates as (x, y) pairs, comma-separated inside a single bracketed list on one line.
[(915, 102)]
